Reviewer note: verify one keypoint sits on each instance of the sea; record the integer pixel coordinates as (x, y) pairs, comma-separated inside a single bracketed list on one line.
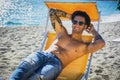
[(34, 12)]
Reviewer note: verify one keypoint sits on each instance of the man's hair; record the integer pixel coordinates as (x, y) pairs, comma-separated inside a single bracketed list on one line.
[(82, 14)]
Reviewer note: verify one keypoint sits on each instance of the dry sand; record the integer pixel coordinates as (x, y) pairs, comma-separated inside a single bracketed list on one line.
[(106, 62), (15, 45), (18, 42)]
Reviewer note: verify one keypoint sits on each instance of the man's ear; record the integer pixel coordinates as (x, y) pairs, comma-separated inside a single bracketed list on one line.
[(85, 27)]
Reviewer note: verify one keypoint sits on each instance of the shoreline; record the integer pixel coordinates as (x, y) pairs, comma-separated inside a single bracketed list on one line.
[(111, 18), (103, 19)]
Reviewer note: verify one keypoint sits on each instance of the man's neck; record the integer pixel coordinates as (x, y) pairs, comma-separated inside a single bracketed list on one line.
[(76, 36)]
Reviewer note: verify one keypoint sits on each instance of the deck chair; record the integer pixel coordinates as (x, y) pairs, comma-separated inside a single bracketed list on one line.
[(79, 68)]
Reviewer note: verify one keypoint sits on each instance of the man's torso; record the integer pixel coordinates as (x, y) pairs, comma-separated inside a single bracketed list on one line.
[(67, 49)]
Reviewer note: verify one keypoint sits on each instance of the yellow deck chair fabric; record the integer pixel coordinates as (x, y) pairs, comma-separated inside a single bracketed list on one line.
[(76, 69), (70, 7)]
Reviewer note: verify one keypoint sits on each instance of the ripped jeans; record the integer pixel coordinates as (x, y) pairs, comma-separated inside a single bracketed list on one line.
[(38, 66)]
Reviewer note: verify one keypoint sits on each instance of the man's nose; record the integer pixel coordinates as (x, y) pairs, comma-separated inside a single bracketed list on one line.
[(77, 24)]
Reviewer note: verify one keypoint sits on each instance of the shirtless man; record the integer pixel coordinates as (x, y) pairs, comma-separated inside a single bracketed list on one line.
[(48, 64)]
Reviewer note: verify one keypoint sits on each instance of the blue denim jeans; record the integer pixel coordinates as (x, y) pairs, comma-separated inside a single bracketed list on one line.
[(38, 66)]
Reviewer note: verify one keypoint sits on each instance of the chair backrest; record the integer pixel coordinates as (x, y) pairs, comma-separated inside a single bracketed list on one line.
[(89, 7), (75, 69)]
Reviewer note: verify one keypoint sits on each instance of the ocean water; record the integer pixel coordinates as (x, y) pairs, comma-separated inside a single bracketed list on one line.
[(34, 12)]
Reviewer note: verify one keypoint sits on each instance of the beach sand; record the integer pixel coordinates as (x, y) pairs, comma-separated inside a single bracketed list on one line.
[(18, 42), (106, 62), (15, 44)]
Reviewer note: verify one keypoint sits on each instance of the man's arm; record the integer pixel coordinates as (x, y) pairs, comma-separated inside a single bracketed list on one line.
[(98, 42), (55, 15)]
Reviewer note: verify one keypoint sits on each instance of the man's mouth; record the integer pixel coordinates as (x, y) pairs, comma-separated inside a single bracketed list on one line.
[(76, 29)]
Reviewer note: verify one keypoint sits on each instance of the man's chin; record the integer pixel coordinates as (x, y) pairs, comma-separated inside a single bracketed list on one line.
[(76, 31)]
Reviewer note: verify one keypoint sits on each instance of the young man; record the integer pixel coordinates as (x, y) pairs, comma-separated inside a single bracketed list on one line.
[(48, 64)]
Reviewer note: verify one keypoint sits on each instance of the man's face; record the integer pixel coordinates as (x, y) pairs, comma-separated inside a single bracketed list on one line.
[(78, 24)]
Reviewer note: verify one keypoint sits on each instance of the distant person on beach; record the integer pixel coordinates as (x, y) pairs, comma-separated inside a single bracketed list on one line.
[(48, 64)]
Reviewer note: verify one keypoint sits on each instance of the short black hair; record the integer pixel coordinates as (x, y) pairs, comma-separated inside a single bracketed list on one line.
[(83, 14)]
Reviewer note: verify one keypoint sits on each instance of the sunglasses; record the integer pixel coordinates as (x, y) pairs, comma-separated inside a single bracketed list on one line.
[(80, 22)]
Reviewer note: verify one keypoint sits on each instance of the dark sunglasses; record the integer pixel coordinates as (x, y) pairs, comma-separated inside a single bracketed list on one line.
[(80, 22)]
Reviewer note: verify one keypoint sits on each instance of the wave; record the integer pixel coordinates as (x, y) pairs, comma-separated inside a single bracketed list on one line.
[(12, 23)]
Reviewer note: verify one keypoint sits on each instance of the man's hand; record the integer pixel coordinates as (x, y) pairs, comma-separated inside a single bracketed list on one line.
[(90, 28), (52, 10)]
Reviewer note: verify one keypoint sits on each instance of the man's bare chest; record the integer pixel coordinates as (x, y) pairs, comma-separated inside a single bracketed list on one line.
[(72, 46)]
